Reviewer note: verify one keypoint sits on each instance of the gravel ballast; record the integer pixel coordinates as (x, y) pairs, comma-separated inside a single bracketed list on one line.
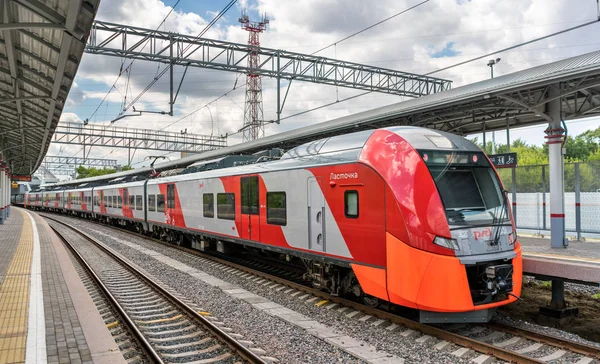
[(271, 332)]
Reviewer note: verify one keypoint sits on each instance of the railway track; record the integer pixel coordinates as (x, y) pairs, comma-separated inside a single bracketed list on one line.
[(124, 338), (168, 329), (491, 339)]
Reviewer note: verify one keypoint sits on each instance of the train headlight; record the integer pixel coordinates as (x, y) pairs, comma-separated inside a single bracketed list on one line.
[(446, 243)]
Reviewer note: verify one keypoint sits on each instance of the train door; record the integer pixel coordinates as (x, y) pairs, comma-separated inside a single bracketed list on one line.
[(250, 210), (316, 216), (170, 211)]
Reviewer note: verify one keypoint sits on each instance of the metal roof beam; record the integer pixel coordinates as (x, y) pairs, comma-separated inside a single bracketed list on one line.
[(42, 10), (12, 62), (41, 40), (70, 22), (15, 26)]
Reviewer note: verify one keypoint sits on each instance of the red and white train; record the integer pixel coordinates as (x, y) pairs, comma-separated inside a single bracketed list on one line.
[(412, 216)]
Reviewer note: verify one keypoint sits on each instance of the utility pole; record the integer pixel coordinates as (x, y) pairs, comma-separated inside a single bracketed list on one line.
[(254, 125), (491, 64)]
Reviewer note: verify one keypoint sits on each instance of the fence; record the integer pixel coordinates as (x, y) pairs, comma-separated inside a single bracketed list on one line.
[(529, 195)]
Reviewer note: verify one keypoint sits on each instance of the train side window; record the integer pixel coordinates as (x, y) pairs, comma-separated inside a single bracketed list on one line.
[(132, 201), (276, 208), (119, 201), (351, 204), (208, 201), (138, 202), (125, 197), (114, 201), (171, 196), (249, 195), (160, 203), (151, 202), (226, 206), (95, 200)]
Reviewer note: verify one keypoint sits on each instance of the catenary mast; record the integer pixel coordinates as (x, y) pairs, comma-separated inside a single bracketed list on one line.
[(254, 126)]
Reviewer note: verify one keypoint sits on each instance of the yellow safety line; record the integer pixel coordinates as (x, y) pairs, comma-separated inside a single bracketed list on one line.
[(14, 298), (159, 320), (321, 303), (112, 324)]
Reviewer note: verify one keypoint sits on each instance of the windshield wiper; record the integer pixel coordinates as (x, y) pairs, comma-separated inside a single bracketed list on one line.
[(498, 220)]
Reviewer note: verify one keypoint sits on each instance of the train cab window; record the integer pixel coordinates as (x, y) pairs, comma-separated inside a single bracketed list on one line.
[(160, 203), (138, 202), (276, 208), (119, 202), (249, 195), (351, 204), (151, 202), (208, 200), (226, 206)]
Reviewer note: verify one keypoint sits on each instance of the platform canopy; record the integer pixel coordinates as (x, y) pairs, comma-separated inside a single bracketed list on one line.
[(514, 100), (41, 44)]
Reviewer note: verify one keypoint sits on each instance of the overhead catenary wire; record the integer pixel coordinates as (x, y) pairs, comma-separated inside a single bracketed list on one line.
[(371, 26), (454, 65), (181, 56), (121, 70)]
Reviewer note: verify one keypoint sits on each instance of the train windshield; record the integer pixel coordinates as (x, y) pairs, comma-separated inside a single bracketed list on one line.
[(468, 186)]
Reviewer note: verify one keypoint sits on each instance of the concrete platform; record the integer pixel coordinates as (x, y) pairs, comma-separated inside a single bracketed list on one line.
[(46, 314), (579, 262)]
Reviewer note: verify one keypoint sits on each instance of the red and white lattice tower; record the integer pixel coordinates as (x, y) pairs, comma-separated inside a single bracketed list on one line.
[(254, 126)]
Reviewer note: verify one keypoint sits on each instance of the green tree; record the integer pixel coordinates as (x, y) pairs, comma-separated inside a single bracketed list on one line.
[(83, 172)]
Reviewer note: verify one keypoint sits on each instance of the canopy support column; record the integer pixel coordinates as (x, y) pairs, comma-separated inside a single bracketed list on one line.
[(557, 312)]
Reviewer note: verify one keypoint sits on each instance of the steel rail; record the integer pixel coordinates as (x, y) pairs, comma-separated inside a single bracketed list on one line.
[(464, 341), (461, 340), (140, 338), (574, 346), (233, 344)]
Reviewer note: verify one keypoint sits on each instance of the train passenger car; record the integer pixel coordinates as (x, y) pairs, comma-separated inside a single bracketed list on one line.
[(124, 201), (53, 200), (407, 215), (34, 199), (78, 201)]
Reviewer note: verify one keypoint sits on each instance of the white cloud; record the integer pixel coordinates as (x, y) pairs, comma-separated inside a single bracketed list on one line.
[(406, 43)]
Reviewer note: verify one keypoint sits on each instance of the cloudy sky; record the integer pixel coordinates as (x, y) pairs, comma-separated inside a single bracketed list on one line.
[(436, 34)]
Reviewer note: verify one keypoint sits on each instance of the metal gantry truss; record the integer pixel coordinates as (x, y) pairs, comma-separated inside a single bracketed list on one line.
[(122, 137), (58, 161), (125, 41)]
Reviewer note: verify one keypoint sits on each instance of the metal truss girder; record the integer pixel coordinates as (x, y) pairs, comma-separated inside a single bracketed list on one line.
[(77, 161), (227, 56), (61, 171), (120, 137)]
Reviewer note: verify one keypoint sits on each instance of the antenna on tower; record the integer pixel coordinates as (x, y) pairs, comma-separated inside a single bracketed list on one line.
[(254, 125)]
